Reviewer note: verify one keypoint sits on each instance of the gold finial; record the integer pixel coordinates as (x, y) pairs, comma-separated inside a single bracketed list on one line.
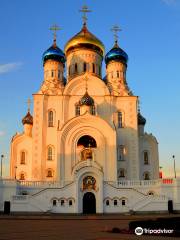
[(86, 79), (29, 104), (84, 10), (115, 29), (55, 28)]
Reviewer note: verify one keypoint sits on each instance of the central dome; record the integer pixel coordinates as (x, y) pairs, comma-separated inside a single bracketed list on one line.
[(84, 39)]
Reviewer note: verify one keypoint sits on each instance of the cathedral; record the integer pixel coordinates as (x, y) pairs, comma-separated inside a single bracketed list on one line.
[(83, 148)]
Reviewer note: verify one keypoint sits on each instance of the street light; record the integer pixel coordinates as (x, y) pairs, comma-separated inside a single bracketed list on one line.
[(2, 156), (174, 166)]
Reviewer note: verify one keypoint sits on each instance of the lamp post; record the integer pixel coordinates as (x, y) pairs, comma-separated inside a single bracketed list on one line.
[(2, 156), (174, 166)]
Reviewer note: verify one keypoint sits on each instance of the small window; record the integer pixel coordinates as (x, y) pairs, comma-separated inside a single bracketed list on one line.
[(49, 173), (23, 158), (99, 70), (84, 67), (146, 158), (93, 110), (118, 74), (77, 110), (120, 120), (107, 202), (123, 202), (70, 203), (115, 202), (50, 119), (62, 202), (52, 73), (112, 75), (146, 176), (50, 153), (59, 74), (93, 68), (121, 153), (121, 173), (54, 202), (69, 70), (75, 68), (22, 176)]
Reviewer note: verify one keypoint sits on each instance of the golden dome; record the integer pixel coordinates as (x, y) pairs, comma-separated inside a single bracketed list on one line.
[(84, 39)]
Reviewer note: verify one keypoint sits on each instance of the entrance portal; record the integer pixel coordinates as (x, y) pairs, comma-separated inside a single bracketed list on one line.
[(89, 203)]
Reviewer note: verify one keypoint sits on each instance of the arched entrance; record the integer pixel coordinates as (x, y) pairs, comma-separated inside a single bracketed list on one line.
[(89, 203)]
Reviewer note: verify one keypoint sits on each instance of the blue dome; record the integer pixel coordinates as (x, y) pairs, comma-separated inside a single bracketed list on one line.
[(116, 53), (54, 53)]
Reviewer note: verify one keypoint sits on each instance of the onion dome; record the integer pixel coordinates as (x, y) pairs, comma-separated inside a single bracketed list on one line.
[(141, 119), (54, 53), (84, 39), (116, 54), (86, 100), (28, 119)]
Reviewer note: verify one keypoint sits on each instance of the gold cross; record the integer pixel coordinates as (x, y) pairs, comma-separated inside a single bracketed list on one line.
[(115, 29), (29, 104), (55, 28), (84, 10), (86, 79)]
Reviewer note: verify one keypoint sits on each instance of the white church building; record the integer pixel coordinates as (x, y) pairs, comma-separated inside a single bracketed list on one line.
[(84, 148)]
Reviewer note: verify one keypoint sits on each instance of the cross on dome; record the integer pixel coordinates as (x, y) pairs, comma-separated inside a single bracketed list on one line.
[(84, 10), (55, 28), (115, 29), (29, 104)]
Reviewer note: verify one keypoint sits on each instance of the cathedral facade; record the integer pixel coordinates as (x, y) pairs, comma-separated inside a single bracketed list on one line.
[(84, 148)]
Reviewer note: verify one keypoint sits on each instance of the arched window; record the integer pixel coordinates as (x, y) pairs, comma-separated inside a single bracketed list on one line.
[(121, 153), (49, 173), (50, 119), (50, 153), (146, 157), (52, 73), (75, 68), (54, 202), (120, 119), (62, 202), (84, 67), (69, 70), (99, 70), (118, 74), (59, 74), (107, 202), (22, 176), (115, 202), (93, 67), (77, 110), (146, 176), (70, 202), (93, 110), (121, 173), (23, 157), (123, 202)]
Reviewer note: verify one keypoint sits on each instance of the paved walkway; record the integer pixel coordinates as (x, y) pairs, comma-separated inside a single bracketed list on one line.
[(70, 227)]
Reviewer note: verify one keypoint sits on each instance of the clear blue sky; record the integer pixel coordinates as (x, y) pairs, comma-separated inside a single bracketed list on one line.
[(150, 36)]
